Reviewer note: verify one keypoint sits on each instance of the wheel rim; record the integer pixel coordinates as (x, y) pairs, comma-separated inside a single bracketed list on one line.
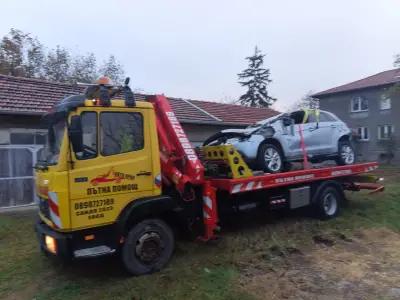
[(330, 204), (272, 159), (347, 154), (149, 248)]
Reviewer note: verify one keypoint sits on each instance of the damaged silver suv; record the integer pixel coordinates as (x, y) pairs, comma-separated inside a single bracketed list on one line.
[(272, 144)]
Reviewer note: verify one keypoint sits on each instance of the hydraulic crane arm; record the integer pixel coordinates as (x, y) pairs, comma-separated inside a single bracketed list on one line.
[(179, 162)]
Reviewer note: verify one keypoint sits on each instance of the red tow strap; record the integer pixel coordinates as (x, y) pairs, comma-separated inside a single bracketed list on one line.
[(306, 165)]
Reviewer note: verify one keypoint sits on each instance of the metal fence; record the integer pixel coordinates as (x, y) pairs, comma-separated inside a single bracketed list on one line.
[(17, 186)]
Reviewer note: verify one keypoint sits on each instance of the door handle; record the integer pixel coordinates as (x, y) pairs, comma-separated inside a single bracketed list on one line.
[(143, 173)]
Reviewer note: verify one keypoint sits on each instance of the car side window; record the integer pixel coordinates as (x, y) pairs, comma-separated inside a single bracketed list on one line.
[(324, 117), (297, 116), (121, 132), (312, 118), (89, 136)]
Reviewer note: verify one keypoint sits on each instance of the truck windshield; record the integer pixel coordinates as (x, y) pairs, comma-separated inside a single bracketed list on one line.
[(55, 135)]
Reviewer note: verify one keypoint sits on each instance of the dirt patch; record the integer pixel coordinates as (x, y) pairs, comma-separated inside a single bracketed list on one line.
[(365, 266), (26, 293)]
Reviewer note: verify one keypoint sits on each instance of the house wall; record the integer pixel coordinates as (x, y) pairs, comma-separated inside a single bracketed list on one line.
[(340, 104), (20, 124)]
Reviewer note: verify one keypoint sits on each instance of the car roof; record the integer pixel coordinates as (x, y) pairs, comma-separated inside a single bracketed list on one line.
[(290, 112)]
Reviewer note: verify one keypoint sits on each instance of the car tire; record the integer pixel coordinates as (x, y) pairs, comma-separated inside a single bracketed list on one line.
[(153, 235), (346, 155), (270, 158), (328, 202)]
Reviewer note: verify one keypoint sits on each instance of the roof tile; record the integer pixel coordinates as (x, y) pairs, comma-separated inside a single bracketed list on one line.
[(382, 78), (27, 95)]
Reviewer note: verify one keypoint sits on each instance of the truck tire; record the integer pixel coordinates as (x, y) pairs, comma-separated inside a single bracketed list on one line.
[(148, 247), (328, 201), (270, 159), (346, 155)]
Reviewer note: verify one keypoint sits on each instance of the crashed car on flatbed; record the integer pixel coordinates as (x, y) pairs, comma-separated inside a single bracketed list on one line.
[(272, 144)]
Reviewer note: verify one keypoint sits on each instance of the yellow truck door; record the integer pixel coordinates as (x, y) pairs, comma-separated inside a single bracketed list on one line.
[(115, 166)]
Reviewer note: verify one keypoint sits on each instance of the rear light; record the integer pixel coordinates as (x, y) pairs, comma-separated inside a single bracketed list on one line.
[(51, 244)]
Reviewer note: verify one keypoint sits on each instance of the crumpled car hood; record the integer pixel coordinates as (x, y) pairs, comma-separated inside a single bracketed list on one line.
[(251, 129), (244, 131)]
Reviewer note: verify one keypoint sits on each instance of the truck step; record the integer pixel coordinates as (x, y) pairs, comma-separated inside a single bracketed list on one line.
[(93, 252)]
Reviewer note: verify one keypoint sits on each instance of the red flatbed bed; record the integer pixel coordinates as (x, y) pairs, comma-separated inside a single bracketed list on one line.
[(185, 172), (268, 181)]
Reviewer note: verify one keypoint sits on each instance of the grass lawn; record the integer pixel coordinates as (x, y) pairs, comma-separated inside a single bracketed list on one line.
[(197, 271)]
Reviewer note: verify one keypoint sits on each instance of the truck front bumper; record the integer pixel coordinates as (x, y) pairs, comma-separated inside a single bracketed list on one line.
[(74, 245), (53, 242)]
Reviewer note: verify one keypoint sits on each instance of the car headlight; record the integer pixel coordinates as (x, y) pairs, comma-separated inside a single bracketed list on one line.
[(243, 138), (267, 131)]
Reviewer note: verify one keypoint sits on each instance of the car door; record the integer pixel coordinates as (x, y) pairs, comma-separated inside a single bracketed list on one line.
[(332, 127), (293, 140), (318, 133), (114, 168)]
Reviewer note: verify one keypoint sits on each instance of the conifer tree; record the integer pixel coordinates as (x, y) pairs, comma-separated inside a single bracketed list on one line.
[(256, 79)]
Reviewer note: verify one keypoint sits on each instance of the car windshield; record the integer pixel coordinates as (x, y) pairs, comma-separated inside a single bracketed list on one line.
[(55, 135)]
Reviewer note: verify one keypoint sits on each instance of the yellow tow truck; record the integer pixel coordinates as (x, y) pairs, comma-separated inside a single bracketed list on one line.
[(120, 176)]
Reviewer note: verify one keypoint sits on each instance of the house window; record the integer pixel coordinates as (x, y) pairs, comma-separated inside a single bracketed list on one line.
[(20, 138), (385, 132), (363, 133), (27, 137), (359, 104), (385, 102)]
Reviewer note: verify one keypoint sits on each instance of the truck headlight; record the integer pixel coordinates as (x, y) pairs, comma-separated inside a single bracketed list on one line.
[(51, 244)]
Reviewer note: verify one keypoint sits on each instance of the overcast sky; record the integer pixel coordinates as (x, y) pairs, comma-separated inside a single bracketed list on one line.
[(194, 49)]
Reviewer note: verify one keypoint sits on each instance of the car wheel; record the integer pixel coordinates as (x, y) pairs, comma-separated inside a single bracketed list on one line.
[(270, 158), (148, 247), (346, 155)]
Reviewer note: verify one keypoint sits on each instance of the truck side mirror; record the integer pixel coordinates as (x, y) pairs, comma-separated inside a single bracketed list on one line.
[(75, 134)]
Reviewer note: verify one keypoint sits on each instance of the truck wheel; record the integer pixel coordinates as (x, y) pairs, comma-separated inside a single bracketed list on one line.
[(270, 158), (148, 247), (328, 202), (346, 154)]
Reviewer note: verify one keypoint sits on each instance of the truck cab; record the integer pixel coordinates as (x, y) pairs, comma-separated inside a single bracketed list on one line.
[(100, 166), (109, 163)]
